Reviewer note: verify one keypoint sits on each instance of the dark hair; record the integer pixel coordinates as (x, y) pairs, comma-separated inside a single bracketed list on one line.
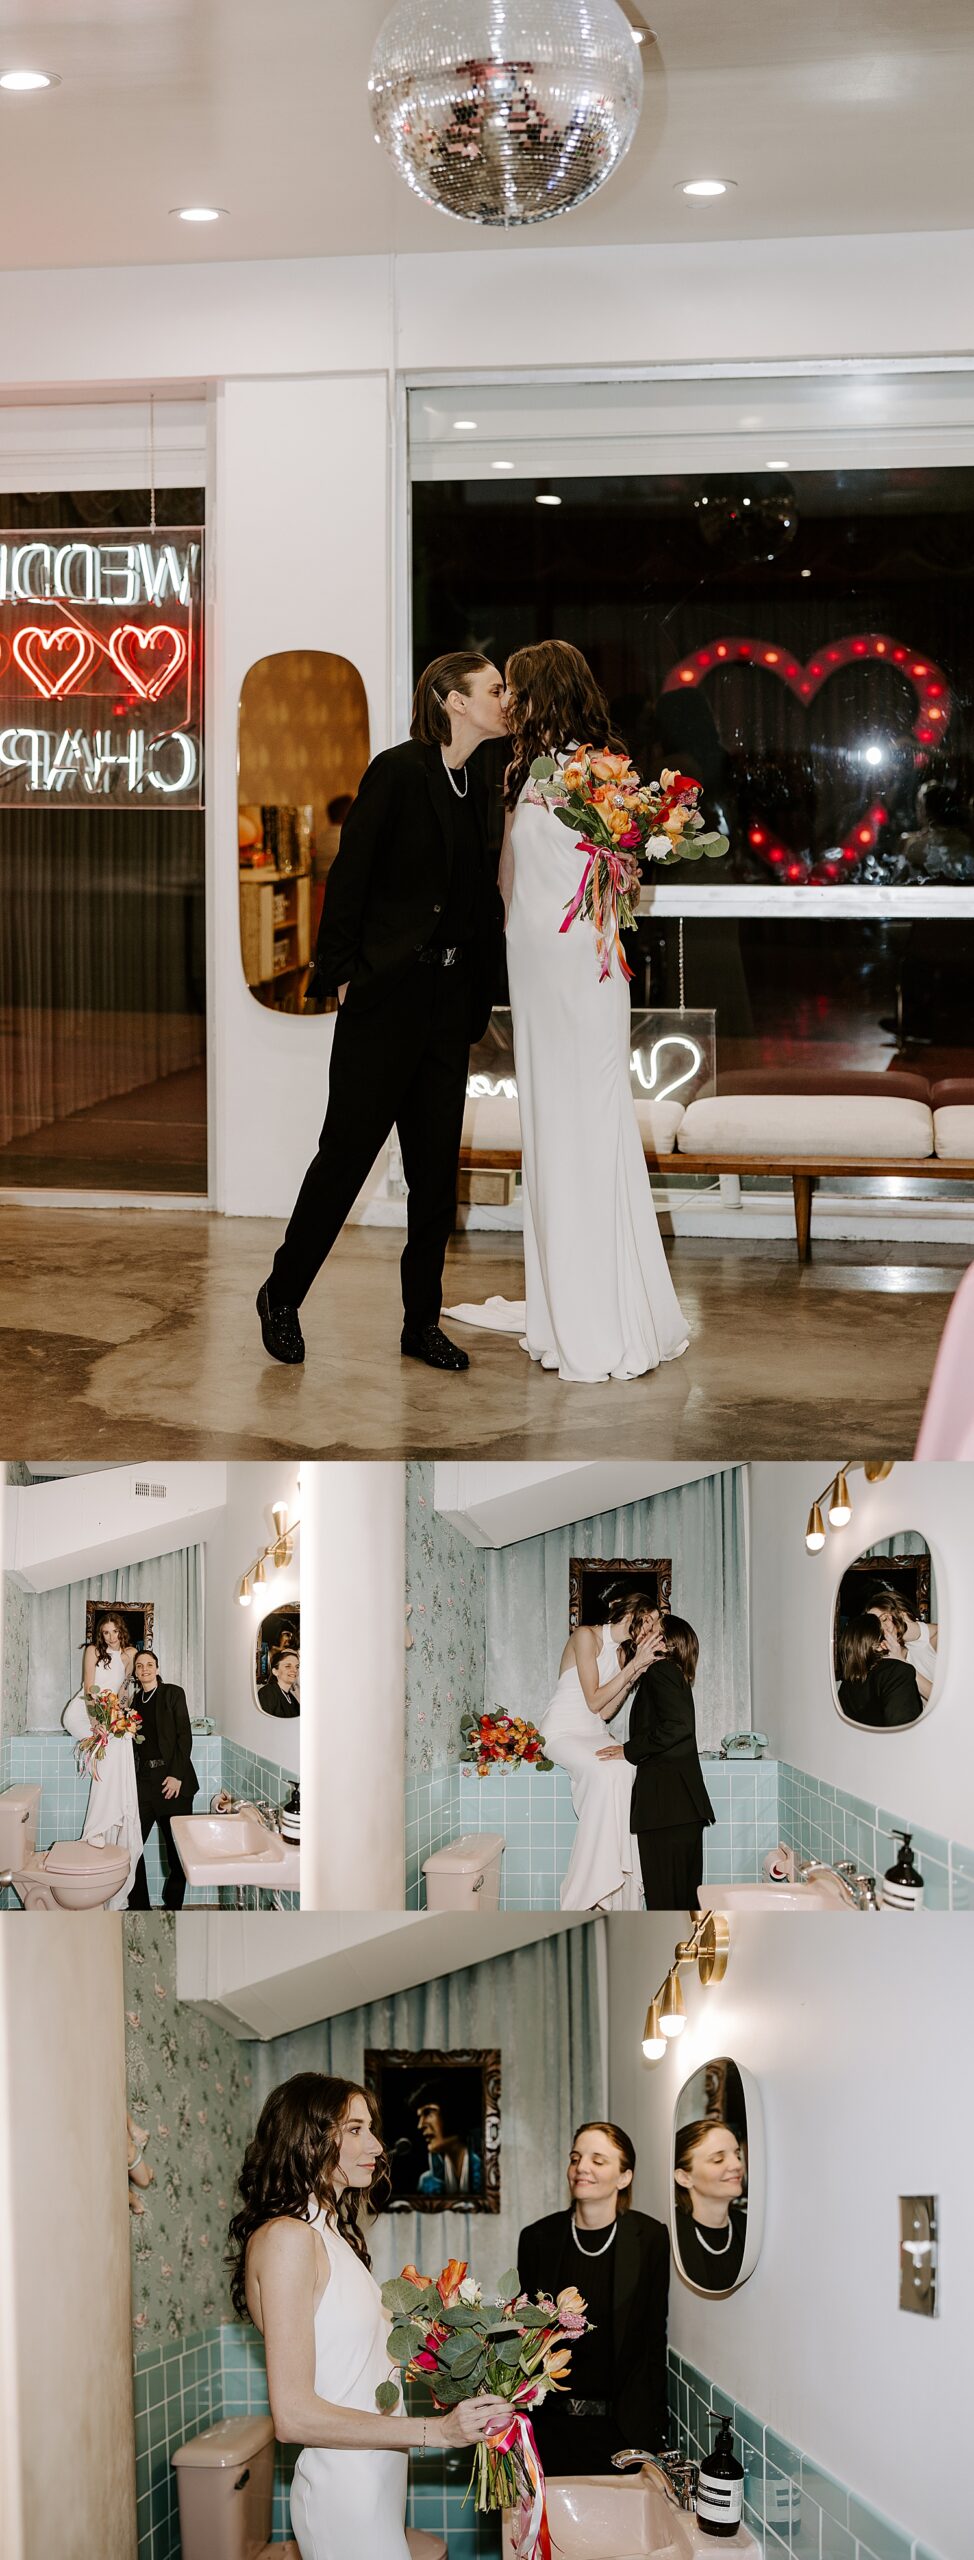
[(861, 1645), (884, 1595), (143, 1652), (433, 2094), (430, 721), (688, 2137), (640, 1605), (280, 1652), (554, 702), (683, 1643), (621, 2143), (289, 2168), (109, 1618)]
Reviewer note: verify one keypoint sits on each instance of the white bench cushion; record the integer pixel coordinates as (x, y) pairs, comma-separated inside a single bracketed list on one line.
[(953, 1130), (793, 1125), (491, 1120)]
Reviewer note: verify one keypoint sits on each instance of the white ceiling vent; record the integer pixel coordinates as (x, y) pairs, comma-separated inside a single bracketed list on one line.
[(146, 1492)]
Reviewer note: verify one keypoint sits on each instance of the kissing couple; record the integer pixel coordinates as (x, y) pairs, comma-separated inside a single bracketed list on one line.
[(410, 942)]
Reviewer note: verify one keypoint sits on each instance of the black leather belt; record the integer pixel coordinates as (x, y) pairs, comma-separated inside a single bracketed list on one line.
[(150, 1764), (587, 2408), (446, 958)]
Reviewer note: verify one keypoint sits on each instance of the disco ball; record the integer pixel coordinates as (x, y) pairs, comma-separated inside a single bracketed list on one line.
[(505, 111)]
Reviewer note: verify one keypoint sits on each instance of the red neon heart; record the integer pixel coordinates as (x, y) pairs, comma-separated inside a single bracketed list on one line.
[(64, 636), (131, 637), (928, 681)]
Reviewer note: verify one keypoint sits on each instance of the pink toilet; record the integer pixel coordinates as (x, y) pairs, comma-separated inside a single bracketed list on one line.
[(226, 2495)]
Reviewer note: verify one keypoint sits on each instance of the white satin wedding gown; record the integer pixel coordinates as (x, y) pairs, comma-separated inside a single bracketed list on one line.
[(112, 1815), (599, 1299), (603, 1871), (346, 2504)]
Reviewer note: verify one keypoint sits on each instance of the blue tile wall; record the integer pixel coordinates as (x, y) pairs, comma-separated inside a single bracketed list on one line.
[(533, 1810), (756, 1802), (790, 2504), (47, 1760)]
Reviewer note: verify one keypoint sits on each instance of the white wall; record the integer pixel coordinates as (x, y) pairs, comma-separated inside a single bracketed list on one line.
[(854, 2034), (353, 1624), (85, 1524), (67, 2436), (243, 1529), (925, 1770), (300, 358)]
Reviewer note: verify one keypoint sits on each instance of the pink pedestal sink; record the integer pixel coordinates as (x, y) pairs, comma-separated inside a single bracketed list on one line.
[(624, 2516)]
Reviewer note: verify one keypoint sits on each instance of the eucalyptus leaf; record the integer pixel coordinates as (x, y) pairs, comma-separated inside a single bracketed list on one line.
[(462, 2315), (508, 2285), (568, 817), (509, 2352), (715, 847), (405, 2342), (543, 768), (387, 2396), (448, 2394), (532, 2317), (688, 851), (400, 2294), (465, 2367)]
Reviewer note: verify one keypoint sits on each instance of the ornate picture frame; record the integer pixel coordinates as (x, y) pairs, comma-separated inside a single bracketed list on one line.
[(440, 2120), (587, 1574), (139, 1616)]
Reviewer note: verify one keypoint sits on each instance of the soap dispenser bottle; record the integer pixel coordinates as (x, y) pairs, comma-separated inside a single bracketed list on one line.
[(903, 1883), (720, 2487)]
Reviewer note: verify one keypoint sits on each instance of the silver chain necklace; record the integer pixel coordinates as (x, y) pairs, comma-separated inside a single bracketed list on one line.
[(592, 2253), (709, 2245), (454, 786)]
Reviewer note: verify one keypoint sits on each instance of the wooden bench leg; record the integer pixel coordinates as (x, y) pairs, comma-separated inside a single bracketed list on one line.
[(801, 1184)]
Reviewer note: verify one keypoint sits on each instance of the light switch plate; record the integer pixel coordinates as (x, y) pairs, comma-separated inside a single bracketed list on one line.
[(918, 2255)]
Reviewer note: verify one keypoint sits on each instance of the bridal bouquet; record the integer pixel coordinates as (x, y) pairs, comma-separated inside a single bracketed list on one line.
[(619, 820), (500, 1741), (109, 1721), (460, 2341)]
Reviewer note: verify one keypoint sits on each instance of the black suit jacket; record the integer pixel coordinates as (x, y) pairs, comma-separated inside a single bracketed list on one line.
[(662, 1745), (642, 2283), (175, 1742), (889, 1695), (389, 882)]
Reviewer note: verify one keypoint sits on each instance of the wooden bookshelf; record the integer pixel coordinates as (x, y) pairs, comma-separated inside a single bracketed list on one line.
[(275, 930)]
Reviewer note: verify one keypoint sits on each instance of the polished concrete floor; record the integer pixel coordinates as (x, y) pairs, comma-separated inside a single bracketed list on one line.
[(132, 1334)]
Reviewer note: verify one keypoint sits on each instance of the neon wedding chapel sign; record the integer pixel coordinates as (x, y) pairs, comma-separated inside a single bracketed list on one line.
[(100, 675)]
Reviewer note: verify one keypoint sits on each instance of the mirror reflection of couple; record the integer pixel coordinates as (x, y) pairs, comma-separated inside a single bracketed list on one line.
[(410, 942), (645, 1795), (134, 1791), (301, 2272), (887, 1661)]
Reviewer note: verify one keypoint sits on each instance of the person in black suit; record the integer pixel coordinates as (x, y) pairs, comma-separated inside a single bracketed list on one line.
[(410, 940), (619, 2261), (165, 1776), (873, 1687), (279, 1694), (670, 1806)]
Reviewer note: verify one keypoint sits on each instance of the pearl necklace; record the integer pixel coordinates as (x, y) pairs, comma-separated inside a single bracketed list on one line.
[(592, 2253), (712, 2251), (454, 786)]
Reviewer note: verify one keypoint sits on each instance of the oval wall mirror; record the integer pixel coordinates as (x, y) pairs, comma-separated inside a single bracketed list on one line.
[(303, 746), (277, 1661), (717, 2178), (886, 1653)]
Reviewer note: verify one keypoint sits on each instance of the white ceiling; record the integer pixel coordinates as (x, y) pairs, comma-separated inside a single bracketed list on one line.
[(493, 1505), (263, 1974), (832, 115)]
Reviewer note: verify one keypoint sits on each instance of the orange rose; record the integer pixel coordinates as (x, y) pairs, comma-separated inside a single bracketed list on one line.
[(608, 766)]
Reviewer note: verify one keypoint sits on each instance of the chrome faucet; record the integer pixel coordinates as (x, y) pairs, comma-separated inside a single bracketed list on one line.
[(859, 1890), (267, 1813), (677, 2478)]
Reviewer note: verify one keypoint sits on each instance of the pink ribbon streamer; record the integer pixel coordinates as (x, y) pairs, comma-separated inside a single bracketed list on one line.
[(534, 2539)]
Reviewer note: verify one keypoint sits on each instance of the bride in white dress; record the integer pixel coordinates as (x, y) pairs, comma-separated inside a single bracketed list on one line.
[(302, 2275), (599, 1299), (599, 1670), (112, 1814)]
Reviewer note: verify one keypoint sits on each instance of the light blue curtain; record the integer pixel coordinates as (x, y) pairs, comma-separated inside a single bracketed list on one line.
[(57, 1630), (907, 1542), (702, 1527), (541, 2007)]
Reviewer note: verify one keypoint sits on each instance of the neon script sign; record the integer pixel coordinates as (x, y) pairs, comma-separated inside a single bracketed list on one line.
[(100, 673)]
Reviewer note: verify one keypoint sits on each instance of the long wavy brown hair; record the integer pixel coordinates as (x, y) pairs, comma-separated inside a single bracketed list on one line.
[(861, 1645), (553, 701), (109, 1618), (289, 2168)]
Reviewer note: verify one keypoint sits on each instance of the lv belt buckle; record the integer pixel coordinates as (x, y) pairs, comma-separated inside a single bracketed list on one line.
[(449, 955)]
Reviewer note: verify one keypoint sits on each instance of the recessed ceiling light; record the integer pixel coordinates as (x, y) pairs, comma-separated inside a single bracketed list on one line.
[(777, 464), (706, 186), (198, 212), (806, 573), (547, 498), (29, 80), (502, 466), (465, 426)]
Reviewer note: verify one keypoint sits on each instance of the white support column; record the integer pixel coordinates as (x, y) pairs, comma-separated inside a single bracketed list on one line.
[(353, 1576)]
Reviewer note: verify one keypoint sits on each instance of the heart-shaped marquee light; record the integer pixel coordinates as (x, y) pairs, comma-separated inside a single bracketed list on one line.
[(929, 683), (34, 648), (132, 642)]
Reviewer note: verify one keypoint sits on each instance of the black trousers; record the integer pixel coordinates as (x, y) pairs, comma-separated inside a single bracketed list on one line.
[(156, 1810), (569, 2445), (401, 1063), (672, 1866)]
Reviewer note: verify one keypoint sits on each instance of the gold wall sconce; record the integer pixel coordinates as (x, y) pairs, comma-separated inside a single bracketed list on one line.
[(666, 2016), (836, 1495), (278, 1553)]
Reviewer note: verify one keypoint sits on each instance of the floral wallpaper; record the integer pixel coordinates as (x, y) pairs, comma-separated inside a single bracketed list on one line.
[(190, 2085), (445, 1663), (16, 1635)]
